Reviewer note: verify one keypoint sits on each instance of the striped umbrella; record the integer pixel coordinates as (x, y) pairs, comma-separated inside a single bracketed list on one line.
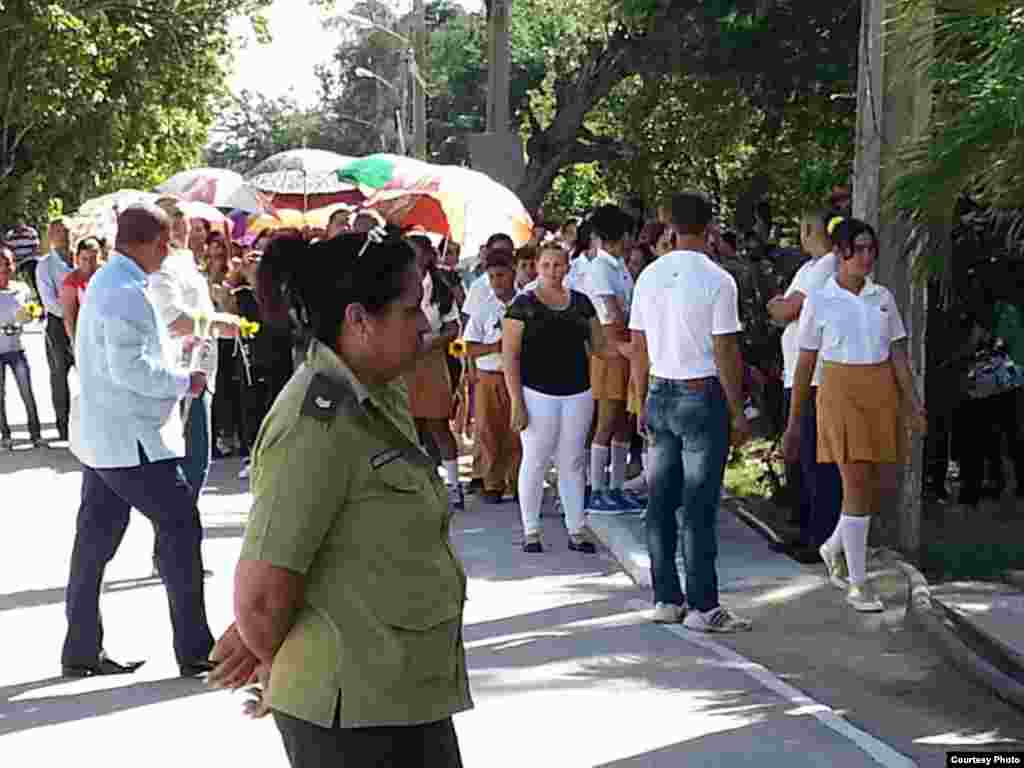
[(218, 187), (464, 205)]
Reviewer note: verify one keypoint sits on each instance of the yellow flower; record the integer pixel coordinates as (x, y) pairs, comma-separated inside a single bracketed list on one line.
[(247, 329), (457, 348), (35, 310)]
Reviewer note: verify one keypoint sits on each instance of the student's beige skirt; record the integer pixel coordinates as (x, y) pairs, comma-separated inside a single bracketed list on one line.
[(430, 388), (858, 414)]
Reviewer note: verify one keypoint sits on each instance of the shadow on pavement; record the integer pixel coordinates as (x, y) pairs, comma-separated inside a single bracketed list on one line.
[(34, 598), (18, 714)]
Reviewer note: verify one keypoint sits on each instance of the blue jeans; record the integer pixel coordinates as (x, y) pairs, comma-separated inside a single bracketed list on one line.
[(688, 446), (18, 364), (198, 444)]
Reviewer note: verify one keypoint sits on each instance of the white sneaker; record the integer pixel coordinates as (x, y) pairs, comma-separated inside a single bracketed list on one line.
[(668, 613), (835, 568), (864, 599), (720, 620)]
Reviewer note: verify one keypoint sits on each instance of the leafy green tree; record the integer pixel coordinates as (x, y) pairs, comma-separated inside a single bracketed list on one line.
[(97, 95)]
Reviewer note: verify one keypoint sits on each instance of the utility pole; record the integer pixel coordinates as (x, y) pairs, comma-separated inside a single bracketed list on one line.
[(499, 151), (894, 106), (498, 75), (417, 60)]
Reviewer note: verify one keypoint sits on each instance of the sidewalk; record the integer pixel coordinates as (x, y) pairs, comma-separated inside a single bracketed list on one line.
[(880, 671)]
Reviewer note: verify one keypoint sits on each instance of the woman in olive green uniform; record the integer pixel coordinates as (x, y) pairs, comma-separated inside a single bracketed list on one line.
[(348, 590)]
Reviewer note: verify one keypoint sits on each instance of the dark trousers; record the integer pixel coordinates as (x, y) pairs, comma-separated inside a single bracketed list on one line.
[(822, 483), (61, 359), (257, 395), (18, 364), (979, 428), (434, 745), (227, 410), (160, 492)]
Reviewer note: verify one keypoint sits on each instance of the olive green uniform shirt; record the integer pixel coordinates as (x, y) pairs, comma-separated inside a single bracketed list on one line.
[(344, 495)]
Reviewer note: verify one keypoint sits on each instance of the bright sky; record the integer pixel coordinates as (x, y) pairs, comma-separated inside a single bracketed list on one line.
[(300, 43)]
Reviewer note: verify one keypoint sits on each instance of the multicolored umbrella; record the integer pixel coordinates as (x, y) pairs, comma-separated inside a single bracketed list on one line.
[(299, 172), (218, 187), (98, 217), (465, 205)]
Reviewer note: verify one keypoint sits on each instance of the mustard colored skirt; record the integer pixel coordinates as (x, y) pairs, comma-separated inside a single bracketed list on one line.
[(430, 388), (858, 414)]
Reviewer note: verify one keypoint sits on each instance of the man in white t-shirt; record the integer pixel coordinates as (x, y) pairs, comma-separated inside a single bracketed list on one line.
[(686, 340), (821, 487), (609, 286)]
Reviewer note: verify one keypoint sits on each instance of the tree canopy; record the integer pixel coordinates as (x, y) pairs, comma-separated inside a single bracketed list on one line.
[(98, 95)]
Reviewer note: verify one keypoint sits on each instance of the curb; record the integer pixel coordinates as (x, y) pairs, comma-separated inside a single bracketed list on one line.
[(921, 609), (735, 505), (925, 614)]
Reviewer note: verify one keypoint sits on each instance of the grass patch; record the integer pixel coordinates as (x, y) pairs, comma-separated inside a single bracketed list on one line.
[(749, 473)]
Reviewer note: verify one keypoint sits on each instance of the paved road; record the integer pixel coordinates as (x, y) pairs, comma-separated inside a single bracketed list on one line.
[(565, 669)]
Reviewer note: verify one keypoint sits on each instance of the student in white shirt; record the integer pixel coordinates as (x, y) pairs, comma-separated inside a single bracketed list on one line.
[(609, 286), (686, 338), (821, 487), (500, 449), (853, 324)]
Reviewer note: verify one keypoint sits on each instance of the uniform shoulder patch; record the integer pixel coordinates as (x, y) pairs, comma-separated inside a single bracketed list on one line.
[(323, 397)]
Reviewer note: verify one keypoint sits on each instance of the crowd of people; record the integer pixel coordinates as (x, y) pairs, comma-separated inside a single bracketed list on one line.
[(611, 347)]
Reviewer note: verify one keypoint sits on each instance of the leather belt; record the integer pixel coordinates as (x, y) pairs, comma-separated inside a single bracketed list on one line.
[(697, 385)]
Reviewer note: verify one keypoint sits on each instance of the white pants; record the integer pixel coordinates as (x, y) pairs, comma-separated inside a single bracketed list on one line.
[(557, 430)]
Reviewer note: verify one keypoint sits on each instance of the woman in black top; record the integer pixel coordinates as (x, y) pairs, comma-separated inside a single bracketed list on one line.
[(545, 338)]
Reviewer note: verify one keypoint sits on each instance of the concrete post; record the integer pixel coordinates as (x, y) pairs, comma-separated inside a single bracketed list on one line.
[(894, 107), (498, 76)]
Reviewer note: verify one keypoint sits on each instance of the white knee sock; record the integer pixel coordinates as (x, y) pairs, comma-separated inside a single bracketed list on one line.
[(620, 452), (451, 469), (855, 543), (598, 462), (834, 543)]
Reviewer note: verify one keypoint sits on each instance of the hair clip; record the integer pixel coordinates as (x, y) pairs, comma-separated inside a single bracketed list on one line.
[(376, 235)]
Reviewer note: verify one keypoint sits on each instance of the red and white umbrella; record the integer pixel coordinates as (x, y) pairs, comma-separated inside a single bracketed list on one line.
[(217, 187)]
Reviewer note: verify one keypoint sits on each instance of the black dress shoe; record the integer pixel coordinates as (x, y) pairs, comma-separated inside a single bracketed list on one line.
[(533, 547), (196, 668), (103, 667), (582, 545)]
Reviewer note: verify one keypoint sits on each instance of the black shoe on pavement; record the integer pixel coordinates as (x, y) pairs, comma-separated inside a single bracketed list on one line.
[(197, 668), (582, 545), (104, 666), (533, 546)]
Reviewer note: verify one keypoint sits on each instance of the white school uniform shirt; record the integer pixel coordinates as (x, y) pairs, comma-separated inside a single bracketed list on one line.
[(811, 277), (479, 292), (852, 329), (607, 276), (485, 328), (680, 303), (131, 381), (433, 311)]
